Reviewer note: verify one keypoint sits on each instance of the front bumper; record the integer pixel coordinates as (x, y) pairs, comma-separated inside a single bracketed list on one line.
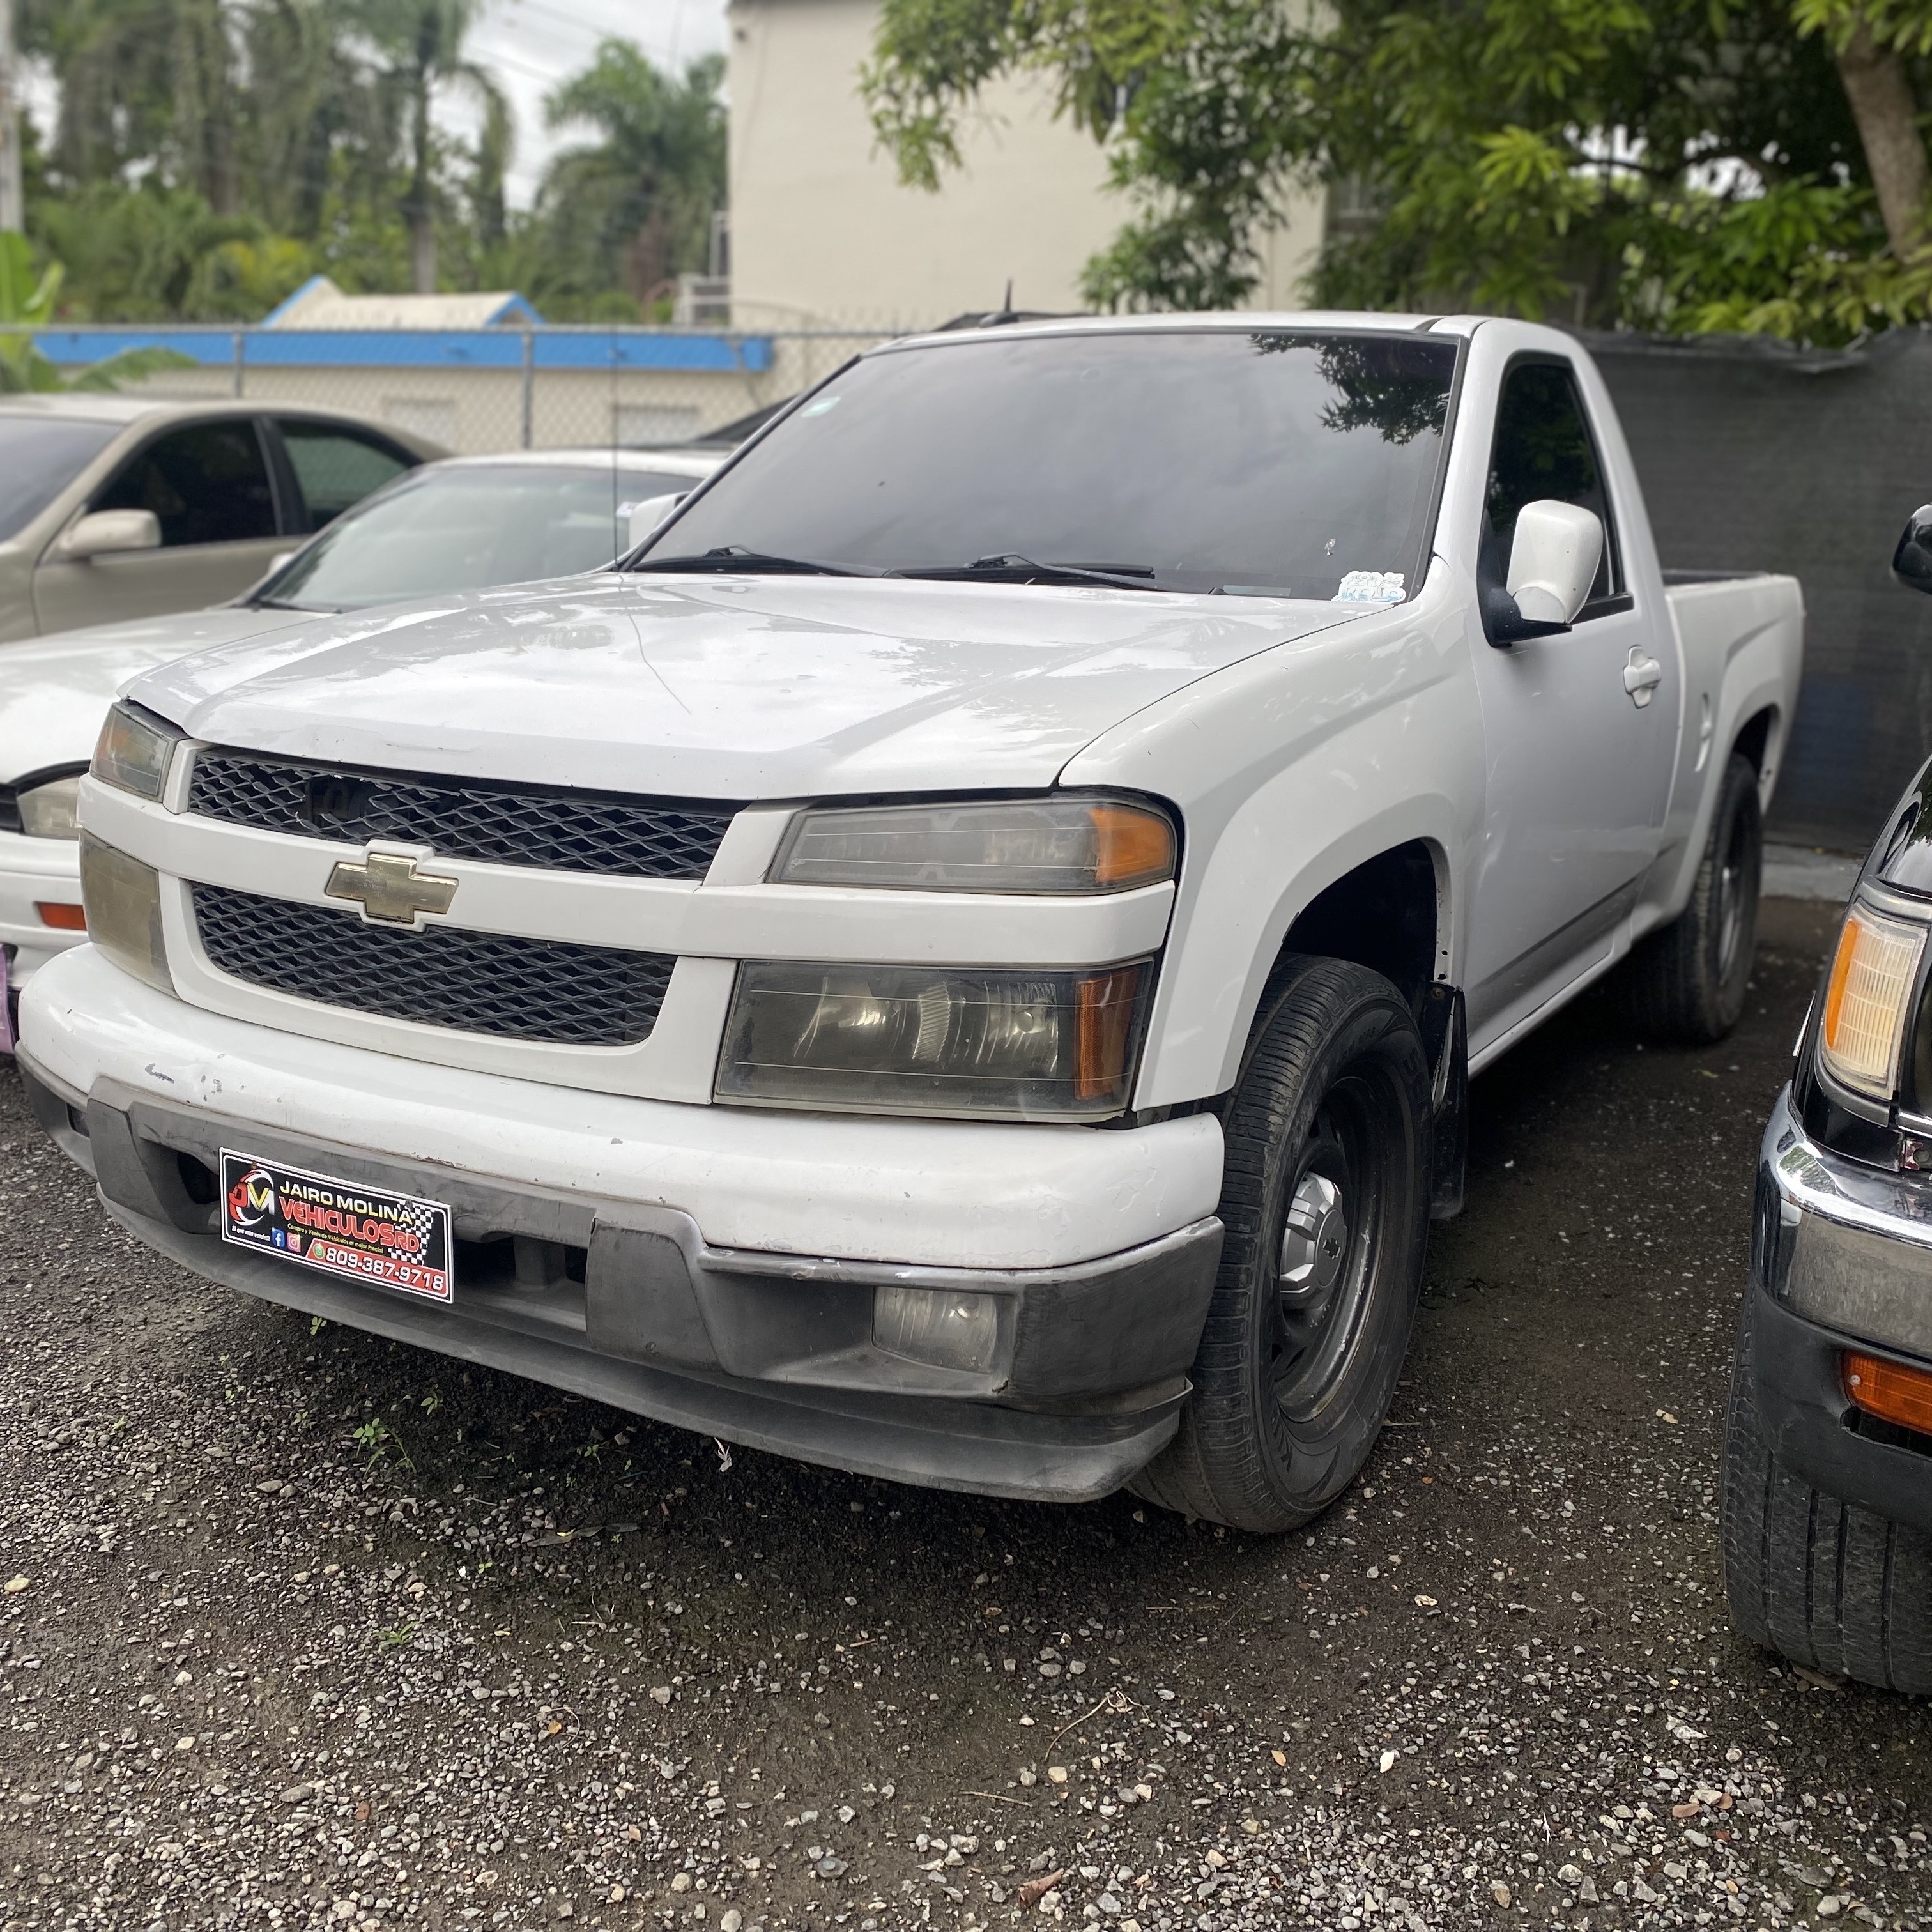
[(1841, 1258), (35, 872), (606, 1238)]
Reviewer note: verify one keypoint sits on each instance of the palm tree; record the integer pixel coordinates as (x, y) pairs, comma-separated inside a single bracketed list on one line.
[(419, 49), (641, 199)]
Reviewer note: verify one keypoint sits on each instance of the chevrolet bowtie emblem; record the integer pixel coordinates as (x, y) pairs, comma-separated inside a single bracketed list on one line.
[(387, 886)]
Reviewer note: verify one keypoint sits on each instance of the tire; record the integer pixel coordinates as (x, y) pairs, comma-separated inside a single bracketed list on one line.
[(1310, 1319), (1826, 1584), (1687, 982)]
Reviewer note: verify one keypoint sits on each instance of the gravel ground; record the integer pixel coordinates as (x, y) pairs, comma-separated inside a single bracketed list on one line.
[(305, 1629)]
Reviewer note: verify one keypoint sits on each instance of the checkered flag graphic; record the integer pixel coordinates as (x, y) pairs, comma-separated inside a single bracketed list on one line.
[(419, 1220)]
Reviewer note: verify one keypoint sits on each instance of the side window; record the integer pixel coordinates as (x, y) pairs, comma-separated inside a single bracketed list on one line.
[(207, 483), (1543, 448), (335, 467)]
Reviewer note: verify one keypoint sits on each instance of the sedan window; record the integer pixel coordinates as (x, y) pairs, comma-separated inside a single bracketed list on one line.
[(335, 467), (469, 527), (206, 484), (39, 457)]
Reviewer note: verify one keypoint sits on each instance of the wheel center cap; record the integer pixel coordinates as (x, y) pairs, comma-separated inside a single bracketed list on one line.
[(1315, 1240)]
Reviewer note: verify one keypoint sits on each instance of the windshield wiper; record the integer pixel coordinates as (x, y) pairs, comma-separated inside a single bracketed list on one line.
[(283, 604), (729, 557), (1010, 567)]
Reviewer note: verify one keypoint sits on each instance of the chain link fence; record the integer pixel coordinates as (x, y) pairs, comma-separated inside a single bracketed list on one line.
[(477, 391)]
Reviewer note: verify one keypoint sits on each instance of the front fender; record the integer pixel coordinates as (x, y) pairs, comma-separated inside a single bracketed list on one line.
[(1290, 771)]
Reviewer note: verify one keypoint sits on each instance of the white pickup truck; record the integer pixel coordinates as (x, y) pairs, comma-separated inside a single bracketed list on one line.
[(962, 959)]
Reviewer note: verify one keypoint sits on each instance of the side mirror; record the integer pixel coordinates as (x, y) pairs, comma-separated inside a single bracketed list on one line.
[(107, 532), (1553, 560), (1912, 562), (646, 516)]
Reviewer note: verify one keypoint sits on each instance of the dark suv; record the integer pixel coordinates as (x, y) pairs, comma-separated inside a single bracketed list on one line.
[(1828, 1455)]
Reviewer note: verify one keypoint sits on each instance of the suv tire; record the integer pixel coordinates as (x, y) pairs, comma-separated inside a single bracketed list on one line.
[(1325, 1200), (1830, 1586), (1687, 983)]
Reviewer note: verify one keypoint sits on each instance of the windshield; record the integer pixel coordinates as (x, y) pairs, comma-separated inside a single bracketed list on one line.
[(467, 529), (40, 456), (1287, 464)]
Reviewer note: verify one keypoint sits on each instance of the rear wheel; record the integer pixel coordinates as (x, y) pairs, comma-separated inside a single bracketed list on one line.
[(1829, 1585), (1326, 1203), (1687, 982)]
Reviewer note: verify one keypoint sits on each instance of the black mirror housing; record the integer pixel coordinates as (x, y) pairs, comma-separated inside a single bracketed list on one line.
[(1503, 623), (1912, 562)]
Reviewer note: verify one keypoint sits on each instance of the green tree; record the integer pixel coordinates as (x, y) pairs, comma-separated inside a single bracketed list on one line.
[(1678, 164), (27, 302), (633, 208), (418, 55)]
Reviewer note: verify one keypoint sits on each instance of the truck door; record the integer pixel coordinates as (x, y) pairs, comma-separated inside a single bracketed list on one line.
[(1579, 730)]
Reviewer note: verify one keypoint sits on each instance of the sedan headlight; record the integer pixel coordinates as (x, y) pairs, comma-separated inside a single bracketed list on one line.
[(50, 809), (1027, 1045), (1868, 1000), (123, 899), (1066, 845), (133, 750)]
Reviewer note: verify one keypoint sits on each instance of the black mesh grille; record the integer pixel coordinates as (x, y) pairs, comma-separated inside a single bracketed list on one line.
[(488, 983), (507, 825)]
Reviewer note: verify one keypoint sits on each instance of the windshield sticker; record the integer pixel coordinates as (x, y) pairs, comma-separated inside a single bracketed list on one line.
[(1370, 587)]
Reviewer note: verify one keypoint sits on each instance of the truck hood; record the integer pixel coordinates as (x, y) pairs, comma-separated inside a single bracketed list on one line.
[(54, 691), (728, 688)]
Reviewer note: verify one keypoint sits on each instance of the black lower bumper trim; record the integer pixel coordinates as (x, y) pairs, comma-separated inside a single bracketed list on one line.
[(1812, 1428), (975, 1447)]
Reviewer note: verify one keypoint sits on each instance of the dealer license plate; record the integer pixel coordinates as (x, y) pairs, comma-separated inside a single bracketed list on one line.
[(342, 1227)]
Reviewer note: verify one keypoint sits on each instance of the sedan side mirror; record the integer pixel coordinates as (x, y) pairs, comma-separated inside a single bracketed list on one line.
[(1553, 560), (646, 516), (107, 532), (1912, 562)]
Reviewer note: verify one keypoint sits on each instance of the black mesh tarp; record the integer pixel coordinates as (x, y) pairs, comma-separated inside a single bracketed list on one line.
[(1754, 456)]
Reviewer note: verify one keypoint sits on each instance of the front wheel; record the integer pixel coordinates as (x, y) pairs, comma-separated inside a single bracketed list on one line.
[(1832, 1586), (1325, 1200)]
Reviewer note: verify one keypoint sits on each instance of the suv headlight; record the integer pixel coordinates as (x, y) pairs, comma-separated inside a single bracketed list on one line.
[(1031, 1044), (1868, 998), (133, 750), (49, 807), (1068, 845)]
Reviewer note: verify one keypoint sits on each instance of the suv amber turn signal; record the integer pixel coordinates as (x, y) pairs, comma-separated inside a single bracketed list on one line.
[(1890, 1391)]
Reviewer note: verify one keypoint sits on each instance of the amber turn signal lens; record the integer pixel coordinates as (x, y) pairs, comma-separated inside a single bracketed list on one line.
[(62, 918), (1890, 1391), (1867, 1000), (1132, 848)]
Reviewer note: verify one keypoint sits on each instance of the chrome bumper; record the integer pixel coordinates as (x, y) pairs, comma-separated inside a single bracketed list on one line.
[(1847, 1246)]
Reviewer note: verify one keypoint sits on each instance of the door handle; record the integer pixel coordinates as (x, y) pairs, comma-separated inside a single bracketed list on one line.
[(1642, 675)]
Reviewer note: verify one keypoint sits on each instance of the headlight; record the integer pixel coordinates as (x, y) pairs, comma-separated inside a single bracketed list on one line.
[(133, 750), (1040, 1045), (123, 899), (1868, 999), (1065, 844), (48, 810)]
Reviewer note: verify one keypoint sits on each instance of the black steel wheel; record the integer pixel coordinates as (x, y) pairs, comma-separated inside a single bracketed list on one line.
[(1325, 1201), (1687, 982)]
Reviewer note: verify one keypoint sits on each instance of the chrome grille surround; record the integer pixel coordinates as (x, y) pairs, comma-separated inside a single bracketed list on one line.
[(555, 828)]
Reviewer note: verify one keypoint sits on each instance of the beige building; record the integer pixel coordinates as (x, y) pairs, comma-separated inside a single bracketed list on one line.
[(822, 235)]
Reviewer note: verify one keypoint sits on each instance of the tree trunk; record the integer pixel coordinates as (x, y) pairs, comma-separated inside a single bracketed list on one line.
[(1880, 93), (420, 212)]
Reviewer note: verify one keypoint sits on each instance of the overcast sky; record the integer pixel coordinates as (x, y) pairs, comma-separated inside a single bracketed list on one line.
[(533, 44)]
